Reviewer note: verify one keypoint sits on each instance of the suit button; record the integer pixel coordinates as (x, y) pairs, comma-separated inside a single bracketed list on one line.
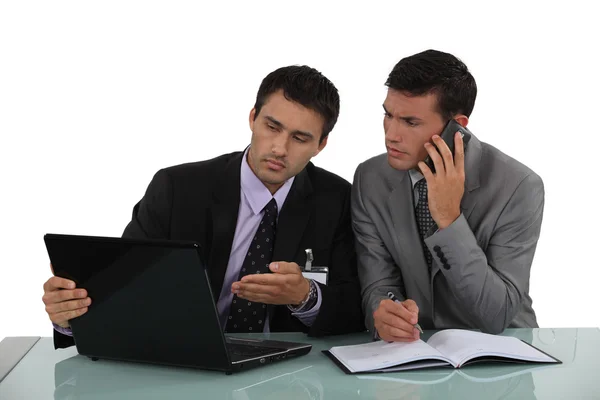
[(443, 260), (437, 248), (446, 266)]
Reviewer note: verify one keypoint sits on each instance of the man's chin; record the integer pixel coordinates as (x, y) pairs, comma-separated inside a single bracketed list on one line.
[(270, 177), (400, 165)]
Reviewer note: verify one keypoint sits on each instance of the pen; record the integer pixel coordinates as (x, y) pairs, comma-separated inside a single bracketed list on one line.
[(394, 298)]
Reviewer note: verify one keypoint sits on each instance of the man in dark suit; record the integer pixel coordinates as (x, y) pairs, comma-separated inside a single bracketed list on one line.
[(255, 212)]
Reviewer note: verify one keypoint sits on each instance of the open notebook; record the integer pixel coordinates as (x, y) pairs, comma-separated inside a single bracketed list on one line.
[(451, 347)]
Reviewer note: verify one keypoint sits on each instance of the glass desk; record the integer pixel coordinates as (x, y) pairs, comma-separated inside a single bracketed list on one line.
[(45, 373)]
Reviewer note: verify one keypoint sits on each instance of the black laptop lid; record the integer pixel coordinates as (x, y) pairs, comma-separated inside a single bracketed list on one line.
[(151, 300)]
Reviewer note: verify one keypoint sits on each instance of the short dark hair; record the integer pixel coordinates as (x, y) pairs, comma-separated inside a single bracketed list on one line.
[(433, 71), (304, 85)]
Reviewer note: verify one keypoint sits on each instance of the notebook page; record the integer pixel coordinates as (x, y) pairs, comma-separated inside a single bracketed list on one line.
[(462, 345), (381, 354)]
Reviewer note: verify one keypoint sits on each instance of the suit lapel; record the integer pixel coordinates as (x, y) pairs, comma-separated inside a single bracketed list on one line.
[(224, 212), (410, 250), (293, 219), (472, 170)]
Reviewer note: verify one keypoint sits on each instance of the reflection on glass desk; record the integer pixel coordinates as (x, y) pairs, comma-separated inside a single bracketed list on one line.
[(62, 374)]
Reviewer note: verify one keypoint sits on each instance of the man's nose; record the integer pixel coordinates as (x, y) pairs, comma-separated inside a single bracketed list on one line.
[(393, 132), (280, 144)]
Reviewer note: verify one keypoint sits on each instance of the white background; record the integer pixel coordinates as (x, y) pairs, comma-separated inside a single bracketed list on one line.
[(95, 97)]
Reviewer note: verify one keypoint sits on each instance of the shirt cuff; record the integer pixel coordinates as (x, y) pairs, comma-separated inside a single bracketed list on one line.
[(64, 331)]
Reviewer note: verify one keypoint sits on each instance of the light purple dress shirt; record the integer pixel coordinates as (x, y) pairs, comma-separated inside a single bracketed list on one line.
[(254, 196)]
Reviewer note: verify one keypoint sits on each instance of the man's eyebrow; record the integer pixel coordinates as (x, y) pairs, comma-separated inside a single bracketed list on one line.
[(275, 122), (408, 118), (296, 132), (303, 133)]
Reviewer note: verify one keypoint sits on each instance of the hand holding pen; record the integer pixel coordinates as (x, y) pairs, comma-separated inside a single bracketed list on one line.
[(397, 321), (393, 297)]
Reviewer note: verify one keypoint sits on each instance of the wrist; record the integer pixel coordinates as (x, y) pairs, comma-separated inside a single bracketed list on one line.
[(305, 294), (309, 301), (446, 222)]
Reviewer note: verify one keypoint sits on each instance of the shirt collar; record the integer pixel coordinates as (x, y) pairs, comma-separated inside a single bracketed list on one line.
[(415, 176)]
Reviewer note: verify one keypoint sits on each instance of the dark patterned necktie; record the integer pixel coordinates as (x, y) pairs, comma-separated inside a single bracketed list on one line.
[(424, 220), (244, 315)]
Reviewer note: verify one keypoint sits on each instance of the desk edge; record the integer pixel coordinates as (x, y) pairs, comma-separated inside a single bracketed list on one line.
[(12, 351)]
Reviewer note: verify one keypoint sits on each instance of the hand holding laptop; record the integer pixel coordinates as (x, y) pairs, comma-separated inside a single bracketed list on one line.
[(123, 276), (64, 301)]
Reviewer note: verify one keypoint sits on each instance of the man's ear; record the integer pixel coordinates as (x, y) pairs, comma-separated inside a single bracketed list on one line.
[(462, 119), (322, 145), (251, 119)]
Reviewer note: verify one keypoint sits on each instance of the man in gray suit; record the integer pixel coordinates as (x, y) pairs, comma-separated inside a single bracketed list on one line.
[(454, 246)]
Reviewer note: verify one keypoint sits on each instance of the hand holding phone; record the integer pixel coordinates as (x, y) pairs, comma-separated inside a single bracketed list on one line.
[(447, 136), (445, 190)]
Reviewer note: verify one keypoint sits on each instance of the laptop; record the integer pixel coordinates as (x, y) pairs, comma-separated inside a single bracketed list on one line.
[(152, 303)]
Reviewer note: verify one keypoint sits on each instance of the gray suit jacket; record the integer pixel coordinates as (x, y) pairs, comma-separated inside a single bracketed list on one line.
[(481, 263)]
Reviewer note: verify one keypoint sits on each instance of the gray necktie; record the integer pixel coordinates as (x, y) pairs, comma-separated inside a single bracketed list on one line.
[(424, 220)]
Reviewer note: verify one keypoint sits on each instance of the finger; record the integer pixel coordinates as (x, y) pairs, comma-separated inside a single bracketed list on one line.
[(58, 296), (409, 338), (400, 335), (272, 290), (444, 150), (400, 311), (61, 318), (398, 323), (57, 282), (426, 171), (257, 297), (261, 279), (390, 333), (411, 306), (282, 267), (389, 338), (459, 154), (68, 305), (436, 158)]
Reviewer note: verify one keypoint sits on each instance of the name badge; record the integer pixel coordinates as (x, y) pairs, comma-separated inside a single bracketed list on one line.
[(318, 274)]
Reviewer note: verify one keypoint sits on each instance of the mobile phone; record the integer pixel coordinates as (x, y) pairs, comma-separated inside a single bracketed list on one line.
[(447, 136)]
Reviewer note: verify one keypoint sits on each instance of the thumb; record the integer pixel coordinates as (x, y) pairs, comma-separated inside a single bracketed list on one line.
[(282, 267)]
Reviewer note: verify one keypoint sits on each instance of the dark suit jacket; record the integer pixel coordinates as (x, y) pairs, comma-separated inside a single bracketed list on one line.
[(200, 201)]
